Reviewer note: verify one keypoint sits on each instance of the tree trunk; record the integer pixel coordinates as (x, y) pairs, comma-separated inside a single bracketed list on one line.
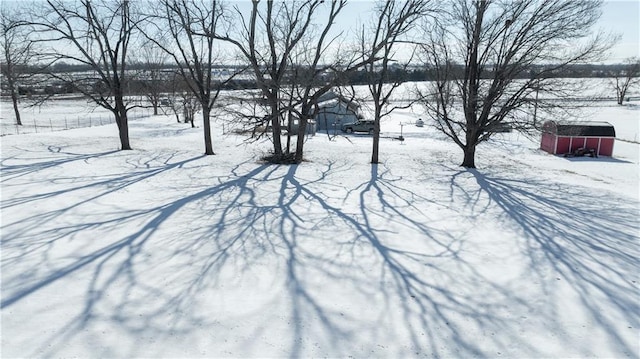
[(620, 90), (376, 142), (276, 131), (14, 99), (123, 123), (123, 131), (621, 94), (469, 160), (289, 128), (376, 131), (302, 129), (208, 147)]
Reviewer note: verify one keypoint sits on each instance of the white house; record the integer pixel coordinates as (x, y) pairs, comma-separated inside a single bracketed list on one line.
[(334, 110)]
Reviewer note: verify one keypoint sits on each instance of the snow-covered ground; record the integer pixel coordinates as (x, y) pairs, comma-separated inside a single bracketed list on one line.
[(164, 252)]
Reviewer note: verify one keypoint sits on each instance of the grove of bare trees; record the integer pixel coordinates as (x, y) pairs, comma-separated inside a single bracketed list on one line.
[(289, 49), (487, 60), (186, 31), (266, 40)]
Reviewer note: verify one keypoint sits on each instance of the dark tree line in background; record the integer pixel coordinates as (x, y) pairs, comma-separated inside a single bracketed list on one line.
[(485, 60), (403, 72)]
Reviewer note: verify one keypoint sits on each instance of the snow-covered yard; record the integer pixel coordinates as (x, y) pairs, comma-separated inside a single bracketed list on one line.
[(163, 252)]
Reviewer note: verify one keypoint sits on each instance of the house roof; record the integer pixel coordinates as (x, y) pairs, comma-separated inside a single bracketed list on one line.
[(580, 128), (331, 98)]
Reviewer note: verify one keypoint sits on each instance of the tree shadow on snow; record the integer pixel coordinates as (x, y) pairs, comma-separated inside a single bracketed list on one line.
[(113, 268), (261, 257), (12, 171), (576, 241)]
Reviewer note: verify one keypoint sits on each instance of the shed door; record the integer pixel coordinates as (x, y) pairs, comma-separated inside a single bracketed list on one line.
[(563, 145), (592, 143), (577, 142)]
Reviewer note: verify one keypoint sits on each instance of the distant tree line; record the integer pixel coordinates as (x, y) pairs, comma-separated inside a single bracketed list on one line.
[(411, 73)]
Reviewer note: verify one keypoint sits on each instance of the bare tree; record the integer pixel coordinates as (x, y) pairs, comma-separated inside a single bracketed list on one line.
[(489, 57), (322, 65), (152, 77), (178, 90), (186, 31), (96, 33), (626, 78), (17, 54), (395, 19), (266, 39), (190, 105), (295, 57)]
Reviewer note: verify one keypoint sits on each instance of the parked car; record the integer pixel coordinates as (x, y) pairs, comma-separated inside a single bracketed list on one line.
[(420, 123), (358, 126)]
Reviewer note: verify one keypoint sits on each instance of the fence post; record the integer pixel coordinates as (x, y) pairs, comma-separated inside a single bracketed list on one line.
[(66, 126), (35, 125), (50, 124)]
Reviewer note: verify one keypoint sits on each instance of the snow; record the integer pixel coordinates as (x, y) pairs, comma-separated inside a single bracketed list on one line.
[(164, 252)]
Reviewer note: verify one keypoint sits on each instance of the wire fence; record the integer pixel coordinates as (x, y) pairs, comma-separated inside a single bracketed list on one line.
[(63, 123)]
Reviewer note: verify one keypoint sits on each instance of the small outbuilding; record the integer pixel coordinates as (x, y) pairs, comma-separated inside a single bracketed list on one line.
[(564, 138)]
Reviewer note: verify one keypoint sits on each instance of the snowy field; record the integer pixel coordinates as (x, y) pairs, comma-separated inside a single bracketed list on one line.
[(164, 252)]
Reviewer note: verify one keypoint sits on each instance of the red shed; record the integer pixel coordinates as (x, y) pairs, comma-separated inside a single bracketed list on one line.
[(560, 138)]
